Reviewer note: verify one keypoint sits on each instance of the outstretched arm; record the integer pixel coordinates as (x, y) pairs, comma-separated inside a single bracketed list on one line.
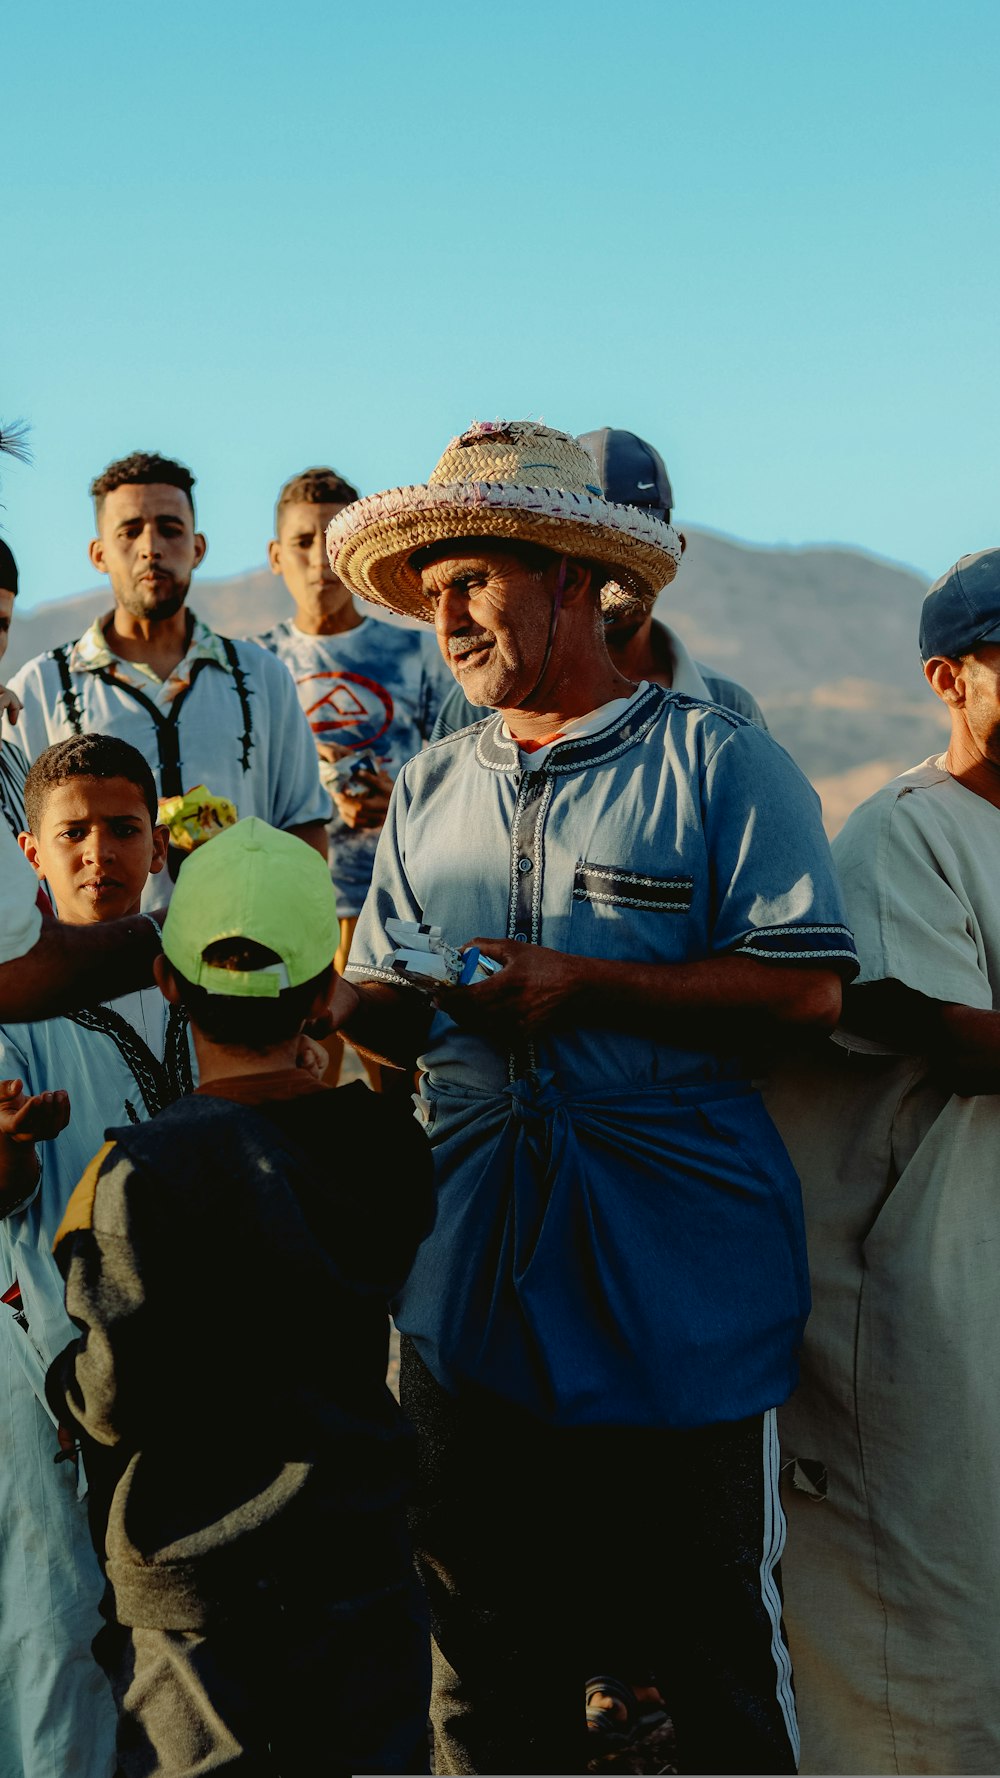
[(71, 966)]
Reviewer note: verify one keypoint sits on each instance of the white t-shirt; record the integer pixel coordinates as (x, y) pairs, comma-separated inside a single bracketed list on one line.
[(20, 919)]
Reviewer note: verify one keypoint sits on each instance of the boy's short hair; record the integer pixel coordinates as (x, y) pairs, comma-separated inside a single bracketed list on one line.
[(314, 487), (86, 756), (8, 569), (141, 469), (237, 1021)]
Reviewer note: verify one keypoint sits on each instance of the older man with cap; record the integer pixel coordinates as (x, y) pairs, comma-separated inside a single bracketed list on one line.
[(893, 1438), (607, 1311), (632, 473)]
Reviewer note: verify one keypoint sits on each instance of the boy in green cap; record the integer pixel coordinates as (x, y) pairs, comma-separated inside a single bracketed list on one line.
[(229, 1266)]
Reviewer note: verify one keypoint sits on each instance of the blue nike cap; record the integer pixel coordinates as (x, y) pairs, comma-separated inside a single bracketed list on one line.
[(962, 608), (629, 470)]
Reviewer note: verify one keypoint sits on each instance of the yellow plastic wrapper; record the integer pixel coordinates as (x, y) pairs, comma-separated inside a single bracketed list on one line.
[(195, 817)]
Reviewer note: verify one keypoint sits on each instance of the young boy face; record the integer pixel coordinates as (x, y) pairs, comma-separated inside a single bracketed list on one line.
[(298, 554), (95, 847)]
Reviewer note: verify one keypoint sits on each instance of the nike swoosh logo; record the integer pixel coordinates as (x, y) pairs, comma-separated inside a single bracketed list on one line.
[(645, 484)]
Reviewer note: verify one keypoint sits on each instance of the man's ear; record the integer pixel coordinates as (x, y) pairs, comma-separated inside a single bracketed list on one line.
[(161, 840), (163, 976), (200, 548), (274, 555), (947, 679), (683, 541), (95, 550), (579, 578), (29, 846)]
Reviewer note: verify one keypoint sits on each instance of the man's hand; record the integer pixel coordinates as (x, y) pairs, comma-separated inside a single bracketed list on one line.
[(368, 811), (312, 1057), (10, 702), (535, 990), (35, 1119), (716, 1003)]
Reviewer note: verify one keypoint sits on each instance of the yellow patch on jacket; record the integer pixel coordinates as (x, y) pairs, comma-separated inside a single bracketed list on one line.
[(80, 1209)]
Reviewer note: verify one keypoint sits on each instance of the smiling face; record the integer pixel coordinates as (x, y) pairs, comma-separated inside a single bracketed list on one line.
[(298, 554), (492, 615), (95, 846), (148, 547)]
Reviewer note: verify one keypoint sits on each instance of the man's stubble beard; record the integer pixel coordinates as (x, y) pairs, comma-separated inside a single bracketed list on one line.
[(154, 608)]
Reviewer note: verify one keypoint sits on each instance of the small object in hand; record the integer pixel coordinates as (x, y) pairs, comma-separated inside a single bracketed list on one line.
[(195, 817), (421, 955), (347, 776)]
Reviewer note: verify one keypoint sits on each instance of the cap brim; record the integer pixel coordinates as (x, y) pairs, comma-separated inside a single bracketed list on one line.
[(371, 542)]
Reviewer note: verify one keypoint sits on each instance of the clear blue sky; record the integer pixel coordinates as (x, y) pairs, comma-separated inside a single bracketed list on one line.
[(762, 233)]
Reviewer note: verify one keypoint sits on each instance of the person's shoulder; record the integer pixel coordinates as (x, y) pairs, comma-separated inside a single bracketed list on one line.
[(456, 713), (922, 797), (709, 722), (33, 674), (732, 695), (255, 660), (276, 639)]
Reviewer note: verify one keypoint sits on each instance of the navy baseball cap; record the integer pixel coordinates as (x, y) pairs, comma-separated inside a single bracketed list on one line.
[(963, 607), (630, 471)]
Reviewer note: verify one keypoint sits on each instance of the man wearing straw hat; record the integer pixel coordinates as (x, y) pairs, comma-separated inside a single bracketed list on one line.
[(607, 1312)]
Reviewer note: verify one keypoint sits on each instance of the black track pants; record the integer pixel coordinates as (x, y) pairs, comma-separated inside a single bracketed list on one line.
[(548, 1555)]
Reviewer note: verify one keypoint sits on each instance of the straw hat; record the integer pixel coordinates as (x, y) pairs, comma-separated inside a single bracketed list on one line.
[(508, 479)]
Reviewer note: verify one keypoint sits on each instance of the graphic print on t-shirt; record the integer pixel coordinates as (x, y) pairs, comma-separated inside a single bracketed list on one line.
[(345, 708)]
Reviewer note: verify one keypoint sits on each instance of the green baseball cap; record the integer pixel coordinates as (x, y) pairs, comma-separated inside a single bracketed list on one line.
[(253, 882)]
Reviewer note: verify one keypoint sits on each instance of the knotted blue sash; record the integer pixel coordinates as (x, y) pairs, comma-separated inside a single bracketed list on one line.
[(620, 1258)]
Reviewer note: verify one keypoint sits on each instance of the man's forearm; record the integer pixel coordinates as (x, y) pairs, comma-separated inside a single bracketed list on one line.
[(389, 1024), (963, 1042), (74, 966), (716, 1003), (715, 992)]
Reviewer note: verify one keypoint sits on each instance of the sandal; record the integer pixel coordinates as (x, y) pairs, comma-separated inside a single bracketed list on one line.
[(604, 1722)]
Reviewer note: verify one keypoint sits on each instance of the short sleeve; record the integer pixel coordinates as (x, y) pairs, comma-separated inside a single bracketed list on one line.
[(775, 889), (20, 919), (390, 897), (733, 696), (902, 885)]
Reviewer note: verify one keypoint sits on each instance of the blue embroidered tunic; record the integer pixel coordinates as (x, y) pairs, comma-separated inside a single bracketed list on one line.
[(618, 1237)]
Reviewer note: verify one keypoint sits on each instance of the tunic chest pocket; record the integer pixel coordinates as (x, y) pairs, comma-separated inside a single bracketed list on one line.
[(608, 885)]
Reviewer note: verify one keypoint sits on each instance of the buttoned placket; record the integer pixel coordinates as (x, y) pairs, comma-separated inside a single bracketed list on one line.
[(527, 874)]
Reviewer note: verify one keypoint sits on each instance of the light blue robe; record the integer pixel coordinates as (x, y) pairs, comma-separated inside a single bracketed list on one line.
[(57, 1717)]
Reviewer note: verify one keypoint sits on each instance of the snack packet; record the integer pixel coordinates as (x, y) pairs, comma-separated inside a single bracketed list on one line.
[(195, 817), (421, 955)]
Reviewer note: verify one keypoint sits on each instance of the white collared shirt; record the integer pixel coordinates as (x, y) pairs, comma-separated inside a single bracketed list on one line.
[(227, 717)]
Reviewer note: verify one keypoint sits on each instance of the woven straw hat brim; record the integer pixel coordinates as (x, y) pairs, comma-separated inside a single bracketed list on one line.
[(371, 541)]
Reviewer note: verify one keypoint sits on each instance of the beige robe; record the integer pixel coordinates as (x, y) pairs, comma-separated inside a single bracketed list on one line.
[(892, 1582)]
